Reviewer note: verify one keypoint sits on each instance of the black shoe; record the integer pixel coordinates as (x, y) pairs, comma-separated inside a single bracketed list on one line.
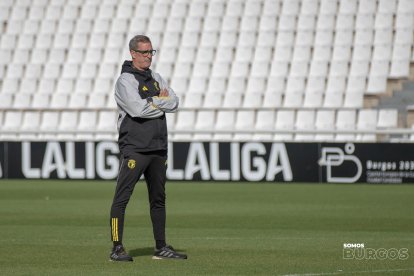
[(167, 252), (119, 254)]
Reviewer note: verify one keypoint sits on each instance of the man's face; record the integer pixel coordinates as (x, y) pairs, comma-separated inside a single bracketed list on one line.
[(142, 57)]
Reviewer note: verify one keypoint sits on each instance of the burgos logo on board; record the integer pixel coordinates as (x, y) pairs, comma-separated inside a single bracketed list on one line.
[(335, 157)]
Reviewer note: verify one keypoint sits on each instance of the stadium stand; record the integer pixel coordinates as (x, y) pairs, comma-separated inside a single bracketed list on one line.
[(280, 70)]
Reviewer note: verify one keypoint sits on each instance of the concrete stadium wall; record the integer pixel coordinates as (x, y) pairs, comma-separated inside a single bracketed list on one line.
[(237, 161)]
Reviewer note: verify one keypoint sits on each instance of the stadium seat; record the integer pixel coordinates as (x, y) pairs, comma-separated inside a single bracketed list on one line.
[(22, 101), (305, 121), (245, 120), (367, 120), (285, 121), (345, 121), (68, 125), (30, 125), (205, 121), (325, 121)]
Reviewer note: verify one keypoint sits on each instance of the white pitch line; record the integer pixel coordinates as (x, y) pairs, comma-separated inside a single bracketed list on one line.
[(346, 272)]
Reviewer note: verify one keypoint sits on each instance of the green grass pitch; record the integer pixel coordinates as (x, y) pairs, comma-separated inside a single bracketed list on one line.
[(62, 228)]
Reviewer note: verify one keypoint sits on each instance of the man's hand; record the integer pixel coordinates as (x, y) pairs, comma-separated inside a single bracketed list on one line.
[(164, 93)]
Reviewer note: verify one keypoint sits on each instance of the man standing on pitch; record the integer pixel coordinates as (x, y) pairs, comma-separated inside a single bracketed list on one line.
[(143, 97)]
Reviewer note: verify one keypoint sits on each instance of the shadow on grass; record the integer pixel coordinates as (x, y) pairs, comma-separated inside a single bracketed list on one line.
[(146, 251)]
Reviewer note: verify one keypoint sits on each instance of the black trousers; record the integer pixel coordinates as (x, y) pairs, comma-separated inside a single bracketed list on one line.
[(153, 165)]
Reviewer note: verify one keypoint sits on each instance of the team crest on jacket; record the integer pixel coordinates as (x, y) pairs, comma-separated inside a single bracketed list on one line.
[(131, 163)]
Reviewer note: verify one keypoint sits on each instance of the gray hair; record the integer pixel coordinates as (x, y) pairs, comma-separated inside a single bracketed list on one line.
[(133, 43)]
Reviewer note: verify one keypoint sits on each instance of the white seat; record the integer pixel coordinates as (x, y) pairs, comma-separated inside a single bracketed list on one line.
[(36, 12), (232, 99), (61, 41), (97, 101), (171, 40), (212, 24), (83, 86), (5, 56), (106, 11), (279, 69), (306, 22), (354, 99), (384, 21), (291, 7), (313, 99), (287, 22), (225, 122), (103, 86), (295, 84), (213, 100), (31, 27), (367, 7), (49, 122), (12, 122), (265, 121), (194, 100), (359, 68), (116, 41), (256, 85), (197, 85), (333, 99), (186, 55), (401, 52), (379, 68), (267, 23), (345, 120), (107, 125), (247, 39), (185, 121), (326, 21), (40, 101), (298, 69), (68, 123), (193, 24), (405, 6), (8, 42), (87, 123), (111, 56), (266, 38), (356, 84), (124, 10), (400, 69), (31, 123), (344, 22), (59, 101), (197, 9), (276, 84), (236, 85), (305, 120), (325, 121), (293, 99), (367, 120), (88, 71), (28, 86), (245, 120), (273, 100), (119, 26), (101, 26), (285, 121), (328, 7), (215, 8), (75, 56), (302, 53), (315, 84), (201, 70), (205, 121), (234, 8), (6, 100), (338, 68), (205, 55), (107, 71), (283, 53), (348, 7), (190, 39), (10, 86), (179, 84), (271, 7), (178, 9), (240, 69), (260, 69), (77, 101), (209, 39), (376, 84), (382, 53), (89, 11), (252, 100), (322, 53), (361, 52), (285, 38), (344, 38), (323, 38), (318, 69), (364, 21), (383, 37), (15, 71), (46, 86), (227, 39), (403, 36), (387, 118), (249, 24), (341, 53)]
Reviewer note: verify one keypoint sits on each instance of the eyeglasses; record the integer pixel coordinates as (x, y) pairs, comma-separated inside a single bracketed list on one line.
[(146, 53)]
